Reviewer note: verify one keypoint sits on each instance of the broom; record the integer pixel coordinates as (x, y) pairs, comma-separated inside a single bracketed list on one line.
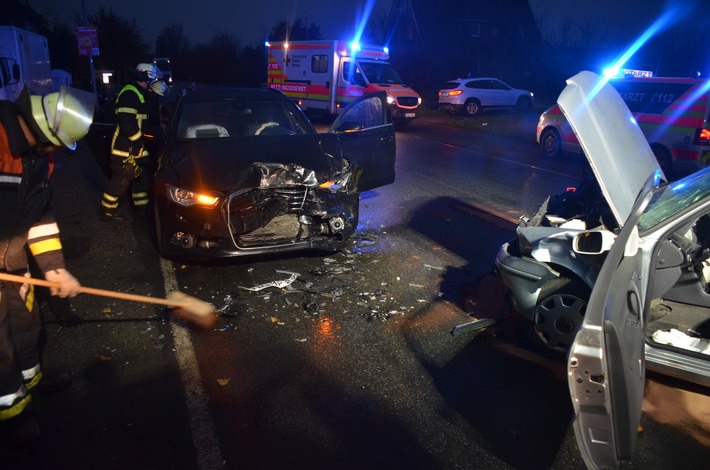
[(190, 309)]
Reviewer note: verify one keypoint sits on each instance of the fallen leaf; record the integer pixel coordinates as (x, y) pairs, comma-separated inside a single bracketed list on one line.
[(105, 358), (223, 382)]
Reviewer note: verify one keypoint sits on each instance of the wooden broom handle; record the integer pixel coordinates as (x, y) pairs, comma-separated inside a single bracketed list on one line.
[(92, 291)]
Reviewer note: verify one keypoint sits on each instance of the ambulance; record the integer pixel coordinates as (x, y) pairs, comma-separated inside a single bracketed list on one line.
[(673, 114), (323, 77)]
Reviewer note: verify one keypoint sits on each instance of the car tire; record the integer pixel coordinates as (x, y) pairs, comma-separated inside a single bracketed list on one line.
[(551, 143), (472, 107), (665, 160), (158, 232), (524, 104), (559, 313)]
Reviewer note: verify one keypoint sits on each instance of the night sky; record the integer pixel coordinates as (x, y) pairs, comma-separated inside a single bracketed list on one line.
[(248, 21)]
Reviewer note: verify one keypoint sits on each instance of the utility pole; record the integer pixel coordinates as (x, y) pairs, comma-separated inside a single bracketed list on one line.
[(92, 76), (401, 15)]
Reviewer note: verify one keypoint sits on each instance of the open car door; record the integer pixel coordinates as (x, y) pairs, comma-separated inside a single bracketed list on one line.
[(606, 369), (366, 136)]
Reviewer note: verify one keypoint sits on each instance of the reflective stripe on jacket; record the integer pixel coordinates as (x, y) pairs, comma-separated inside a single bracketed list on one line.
[(26, 210), (131, 111)]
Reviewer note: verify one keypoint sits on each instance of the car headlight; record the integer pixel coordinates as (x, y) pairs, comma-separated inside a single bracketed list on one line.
[(390, 99), (187, 197), (340, 184)]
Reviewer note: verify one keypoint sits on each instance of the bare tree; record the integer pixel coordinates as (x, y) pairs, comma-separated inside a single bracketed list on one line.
[(120, 42), (564, 31), (545, 22), (172, 42), (215, 62), (298, 30)]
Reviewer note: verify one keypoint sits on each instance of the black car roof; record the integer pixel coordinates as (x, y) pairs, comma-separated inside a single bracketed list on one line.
[(225, 93)]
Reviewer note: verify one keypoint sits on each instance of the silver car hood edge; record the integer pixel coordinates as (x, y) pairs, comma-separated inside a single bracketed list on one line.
[(614, 145)]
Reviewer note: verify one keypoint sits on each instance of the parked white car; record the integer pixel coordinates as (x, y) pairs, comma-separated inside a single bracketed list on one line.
[(621, 293), (469, 95)]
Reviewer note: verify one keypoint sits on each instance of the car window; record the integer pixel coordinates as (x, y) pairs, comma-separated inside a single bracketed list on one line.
[(449, 86), (380, 72), (673, 198), (352, 74), (498, 85), (238, 118), (480, 84), (366, 114)]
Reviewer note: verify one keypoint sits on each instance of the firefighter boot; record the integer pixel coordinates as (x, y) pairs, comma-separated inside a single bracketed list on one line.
[(23, 429), (53, 384)]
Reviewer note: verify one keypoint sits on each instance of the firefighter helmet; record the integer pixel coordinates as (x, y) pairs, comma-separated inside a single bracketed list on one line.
[(159, 87), (147, 73), (64, 117)]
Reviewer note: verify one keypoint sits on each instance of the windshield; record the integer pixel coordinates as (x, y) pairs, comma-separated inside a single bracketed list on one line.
[(238, 118), (380, 72), (673, 198)]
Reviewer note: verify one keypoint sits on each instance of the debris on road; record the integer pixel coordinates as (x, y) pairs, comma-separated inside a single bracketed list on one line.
[(278, 284), (439, 268)]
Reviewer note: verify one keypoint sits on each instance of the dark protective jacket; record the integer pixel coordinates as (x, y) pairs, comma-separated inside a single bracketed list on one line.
[(132, 109), (26, 208)]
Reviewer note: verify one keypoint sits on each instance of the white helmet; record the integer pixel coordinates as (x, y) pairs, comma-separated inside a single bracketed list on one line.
[(159, 87), (64, 117), (148, 72)]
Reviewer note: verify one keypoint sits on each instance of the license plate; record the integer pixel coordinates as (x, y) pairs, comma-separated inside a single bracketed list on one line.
[(409, 114)]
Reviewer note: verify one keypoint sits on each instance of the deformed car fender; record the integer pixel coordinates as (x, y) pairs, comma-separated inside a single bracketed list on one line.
[(525, 276)]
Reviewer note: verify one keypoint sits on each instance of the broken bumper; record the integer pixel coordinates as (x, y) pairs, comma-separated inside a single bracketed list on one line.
[(524, 277)]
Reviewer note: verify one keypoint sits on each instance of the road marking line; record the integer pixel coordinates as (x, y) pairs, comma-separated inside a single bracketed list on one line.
[(503, 159), (204, 436)]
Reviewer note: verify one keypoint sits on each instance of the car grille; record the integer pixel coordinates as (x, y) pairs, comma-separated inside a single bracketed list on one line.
[(263, 217), (407, 101)]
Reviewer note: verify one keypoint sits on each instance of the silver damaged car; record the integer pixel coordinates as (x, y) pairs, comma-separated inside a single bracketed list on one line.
[(623, 290)]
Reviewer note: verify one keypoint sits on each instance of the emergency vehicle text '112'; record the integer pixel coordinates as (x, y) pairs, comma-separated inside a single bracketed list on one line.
[(325, 76)]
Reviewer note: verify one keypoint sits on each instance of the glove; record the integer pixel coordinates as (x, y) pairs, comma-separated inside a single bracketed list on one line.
[(68, 285), (130, 168)]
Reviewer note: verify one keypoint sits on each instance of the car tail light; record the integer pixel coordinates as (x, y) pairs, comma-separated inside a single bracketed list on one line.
[(702, 136), (455, 92)]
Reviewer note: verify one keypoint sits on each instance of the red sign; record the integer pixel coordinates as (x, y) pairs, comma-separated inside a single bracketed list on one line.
[(88, 40)]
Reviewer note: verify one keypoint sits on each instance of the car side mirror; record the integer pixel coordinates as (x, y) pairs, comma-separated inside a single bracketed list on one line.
[(349, 126), (593, 242)]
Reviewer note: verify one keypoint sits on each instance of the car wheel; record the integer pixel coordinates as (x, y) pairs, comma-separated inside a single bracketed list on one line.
[(560, 312), (524, 104), (551, 143), (472, 107), (665, 160), (159, 241)]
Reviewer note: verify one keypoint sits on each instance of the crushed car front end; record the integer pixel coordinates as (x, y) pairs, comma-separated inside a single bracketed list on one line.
[(287, 209)]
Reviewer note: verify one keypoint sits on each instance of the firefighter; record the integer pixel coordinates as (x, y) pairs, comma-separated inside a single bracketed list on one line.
[(129, 149), (30, 130)]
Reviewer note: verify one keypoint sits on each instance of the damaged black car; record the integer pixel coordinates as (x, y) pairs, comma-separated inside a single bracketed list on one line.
[(244, 172)]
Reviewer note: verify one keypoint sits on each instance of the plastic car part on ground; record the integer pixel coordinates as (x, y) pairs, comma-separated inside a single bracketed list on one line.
[(278, 284)]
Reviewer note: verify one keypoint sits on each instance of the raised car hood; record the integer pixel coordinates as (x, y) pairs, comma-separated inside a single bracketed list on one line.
[(616, 148), (226, 165)]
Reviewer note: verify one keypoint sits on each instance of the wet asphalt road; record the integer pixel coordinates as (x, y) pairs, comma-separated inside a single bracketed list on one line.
[(351, 366)]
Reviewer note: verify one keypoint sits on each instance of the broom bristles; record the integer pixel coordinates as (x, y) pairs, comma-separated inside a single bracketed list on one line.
[(192, 310)]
